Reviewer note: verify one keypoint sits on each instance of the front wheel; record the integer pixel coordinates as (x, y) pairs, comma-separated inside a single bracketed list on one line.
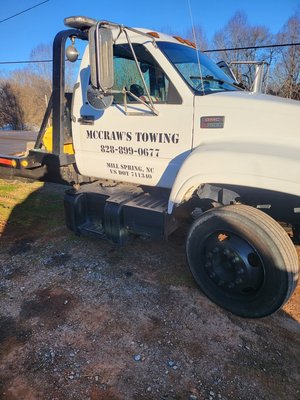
[(242, 260)]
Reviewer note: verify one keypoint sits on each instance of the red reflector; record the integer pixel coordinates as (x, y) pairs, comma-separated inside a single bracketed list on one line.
[(5, 161)]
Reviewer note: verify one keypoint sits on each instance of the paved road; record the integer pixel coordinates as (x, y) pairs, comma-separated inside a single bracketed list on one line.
[(15, 142)]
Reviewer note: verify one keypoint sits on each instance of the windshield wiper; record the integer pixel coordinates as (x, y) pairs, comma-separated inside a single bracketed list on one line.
[(208, 78), (220, 81)]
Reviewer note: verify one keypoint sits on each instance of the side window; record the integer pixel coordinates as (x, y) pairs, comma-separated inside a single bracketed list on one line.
[(127, 75)]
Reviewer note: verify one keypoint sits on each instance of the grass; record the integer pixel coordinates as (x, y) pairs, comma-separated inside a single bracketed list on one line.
[(29, 207), (5, 188)]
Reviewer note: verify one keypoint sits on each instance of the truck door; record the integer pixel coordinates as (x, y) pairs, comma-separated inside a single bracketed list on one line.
[(128, 141)]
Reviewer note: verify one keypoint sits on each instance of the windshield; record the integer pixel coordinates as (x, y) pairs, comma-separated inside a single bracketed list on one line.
[(185, 60)]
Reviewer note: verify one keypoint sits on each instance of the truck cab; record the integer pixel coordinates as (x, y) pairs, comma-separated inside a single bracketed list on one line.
[(150, 128), (162, 137)]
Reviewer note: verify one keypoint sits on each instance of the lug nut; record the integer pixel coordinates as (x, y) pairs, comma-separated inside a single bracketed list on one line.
[(226, 252)]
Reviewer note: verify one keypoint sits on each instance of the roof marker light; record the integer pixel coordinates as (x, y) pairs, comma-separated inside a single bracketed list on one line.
[(185, 41), (153, 34), (180, 39), (189, 43)]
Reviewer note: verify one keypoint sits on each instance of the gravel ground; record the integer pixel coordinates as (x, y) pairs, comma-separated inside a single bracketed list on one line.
[(84, 319)]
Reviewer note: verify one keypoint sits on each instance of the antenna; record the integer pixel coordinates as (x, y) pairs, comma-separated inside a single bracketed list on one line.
[(197, 45)]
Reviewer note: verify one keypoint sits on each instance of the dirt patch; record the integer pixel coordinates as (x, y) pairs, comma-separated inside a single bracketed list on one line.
[(50, 305), (83, 319)]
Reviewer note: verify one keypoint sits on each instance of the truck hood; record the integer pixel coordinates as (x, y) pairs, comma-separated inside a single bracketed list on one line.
[(249, 115), (250, 139)]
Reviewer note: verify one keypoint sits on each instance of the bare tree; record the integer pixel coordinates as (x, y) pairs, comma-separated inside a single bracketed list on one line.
[(239, 33), (33, 92), (286, 74), (11, 112), (32, 86), (43, 52)]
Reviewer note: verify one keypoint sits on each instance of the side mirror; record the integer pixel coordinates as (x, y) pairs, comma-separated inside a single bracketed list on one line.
[(102, 67), (226, 69), (246, 81)]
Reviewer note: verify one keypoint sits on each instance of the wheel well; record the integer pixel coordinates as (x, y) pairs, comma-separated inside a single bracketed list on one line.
[(280, 206), (217, 194), (205, 197)]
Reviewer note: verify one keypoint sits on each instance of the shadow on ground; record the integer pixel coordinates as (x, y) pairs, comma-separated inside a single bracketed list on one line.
[(82, 319)]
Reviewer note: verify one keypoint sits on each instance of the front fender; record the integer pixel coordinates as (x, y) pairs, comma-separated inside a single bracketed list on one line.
[(273, 166)]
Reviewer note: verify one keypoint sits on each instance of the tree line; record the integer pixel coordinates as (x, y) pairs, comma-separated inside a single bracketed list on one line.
[(284, 62), (24, 92)]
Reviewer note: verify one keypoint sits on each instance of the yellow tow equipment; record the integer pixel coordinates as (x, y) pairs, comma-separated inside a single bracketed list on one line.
[(47, 142)]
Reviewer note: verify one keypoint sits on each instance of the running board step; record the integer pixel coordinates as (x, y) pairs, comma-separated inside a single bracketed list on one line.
[(93, 229), (114, 212)]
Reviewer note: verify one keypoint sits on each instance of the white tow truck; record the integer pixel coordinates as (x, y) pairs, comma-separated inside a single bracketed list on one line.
[(155, 135)]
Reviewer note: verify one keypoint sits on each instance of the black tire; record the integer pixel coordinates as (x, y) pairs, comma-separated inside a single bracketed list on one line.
[(242, 260)]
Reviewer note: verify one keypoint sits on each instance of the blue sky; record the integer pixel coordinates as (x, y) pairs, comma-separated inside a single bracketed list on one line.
[(21, 34)]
